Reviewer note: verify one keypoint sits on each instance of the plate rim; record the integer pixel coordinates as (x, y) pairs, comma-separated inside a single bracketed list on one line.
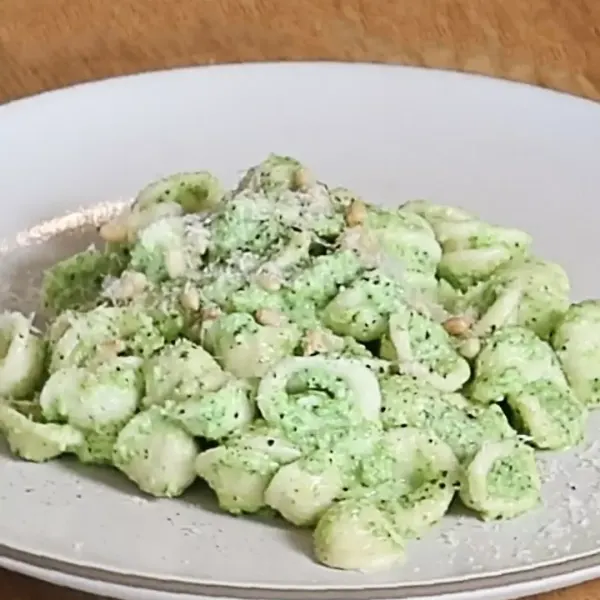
[(299, 63), (519, 583), (561, 571)]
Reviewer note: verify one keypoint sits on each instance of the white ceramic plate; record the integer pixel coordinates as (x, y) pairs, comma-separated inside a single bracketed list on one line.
[(516, 154)]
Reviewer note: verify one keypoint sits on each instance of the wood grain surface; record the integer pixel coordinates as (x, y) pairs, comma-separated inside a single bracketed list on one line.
[(46, 44)]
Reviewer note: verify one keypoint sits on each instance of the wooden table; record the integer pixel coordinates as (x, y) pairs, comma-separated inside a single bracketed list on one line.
[(49, 43)]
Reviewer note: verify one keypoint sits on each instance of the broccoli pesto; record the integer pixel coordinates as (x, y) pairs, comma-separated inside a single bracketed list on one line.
[(350, 368)]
